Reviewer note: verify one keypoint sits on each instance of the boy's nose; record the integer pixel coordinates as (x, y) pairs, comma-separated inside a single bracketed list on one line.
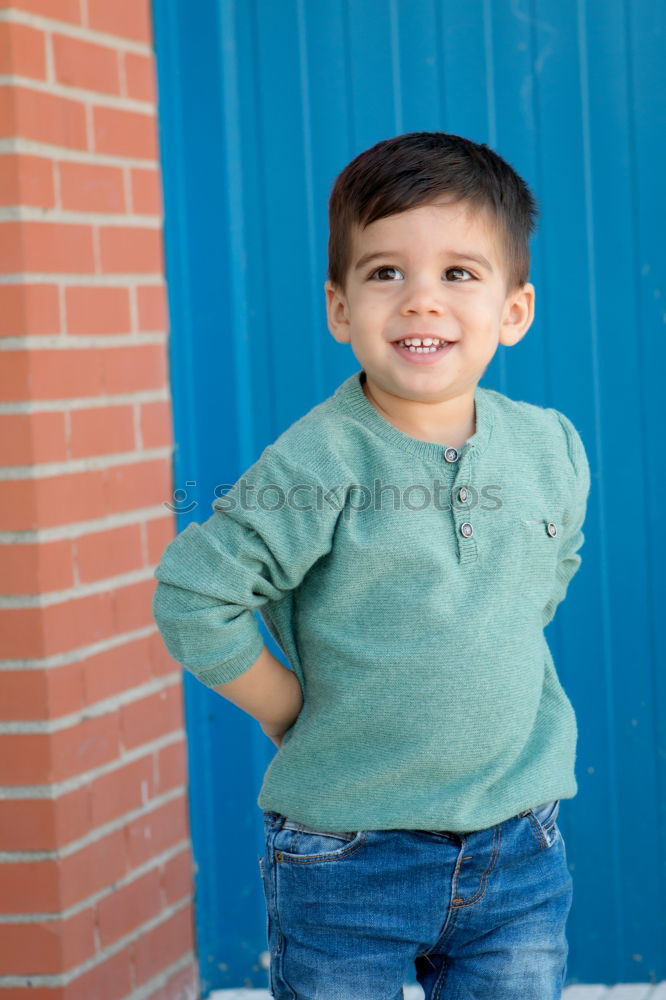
[(423, 298)]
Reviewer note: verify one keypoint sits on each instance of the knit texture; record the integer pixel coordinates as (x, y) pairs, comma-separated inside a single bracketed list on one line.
[(412, 613)]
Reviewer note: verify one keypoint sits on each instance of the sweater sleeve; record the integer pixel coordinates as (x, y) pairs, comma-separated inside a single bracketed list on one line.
[(569, 559), (263, 537)]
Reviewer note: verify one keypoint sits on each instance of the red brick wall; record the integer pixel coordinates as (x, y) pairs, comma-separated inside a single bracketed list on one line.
[(95, 864)]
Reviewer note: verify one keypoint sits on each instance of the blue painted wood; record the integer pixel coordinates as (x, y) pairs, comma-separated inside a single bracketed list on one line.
[(261, 103)]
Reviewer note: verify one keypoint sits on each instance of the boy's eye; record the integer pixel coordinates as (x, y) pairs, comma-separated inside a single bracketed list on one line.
[(457, 274), (387, 274)]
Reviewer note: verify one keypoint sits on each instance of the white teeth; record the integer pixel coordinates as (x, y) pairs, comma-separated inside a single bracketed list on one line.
[(430, 344)]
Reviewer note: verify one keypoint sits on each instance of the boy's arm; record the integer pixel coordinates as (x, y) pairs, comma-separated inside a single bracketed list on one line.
[(269, 692), (569, 559), (213, 576)]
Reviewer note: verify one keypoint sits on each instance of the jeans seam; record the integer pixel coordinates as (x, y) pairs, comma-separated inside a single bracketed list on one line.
[(483, 880), (437, 988)]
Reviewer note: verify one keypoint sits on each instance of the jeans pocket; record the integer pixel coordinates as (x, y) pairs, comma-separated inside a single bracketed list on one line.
[(297, 843), (542, 820)]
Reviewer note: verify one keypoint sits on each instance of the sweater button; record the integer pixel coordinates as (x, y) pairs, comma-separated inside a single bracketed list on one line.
[(551, 529), (466, 530), (462, 494), (451, 455)]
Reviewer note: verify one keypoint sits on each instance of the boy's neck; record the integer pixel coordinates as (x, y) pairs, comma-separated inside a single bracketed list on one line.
[(449, 423)]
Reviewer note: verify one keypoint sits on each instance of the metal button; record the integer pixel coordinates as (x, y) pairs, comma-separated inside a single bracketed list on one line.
[(451, 455), (551, 529), (466, 529), (462, 494)]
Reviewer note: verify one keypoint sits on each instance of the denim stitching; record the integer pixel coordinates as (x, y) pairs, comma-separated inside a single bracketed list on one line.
[(310, 859), (437, 988), (483, 881)]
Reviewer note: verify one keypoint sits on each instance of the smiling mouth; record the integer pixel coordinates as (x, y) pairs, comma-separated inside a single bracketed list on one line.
[(422, 345)]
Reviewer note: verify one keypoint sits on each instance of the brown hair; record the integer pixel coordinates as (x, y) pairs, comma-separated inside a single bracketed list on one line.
[(415, 169)]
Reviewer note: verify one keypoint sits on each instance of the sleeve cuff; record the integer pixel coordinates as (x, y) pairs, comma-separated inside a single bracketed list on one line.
[(230, 669)]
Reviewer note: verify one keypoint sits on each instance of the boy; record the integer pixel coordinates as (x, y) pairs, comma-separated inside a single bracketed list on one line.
[(406, 542)]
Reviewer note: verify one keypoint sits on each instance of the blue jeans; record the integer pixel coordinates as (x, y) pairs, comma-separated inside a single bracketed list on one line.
[(477, 916)]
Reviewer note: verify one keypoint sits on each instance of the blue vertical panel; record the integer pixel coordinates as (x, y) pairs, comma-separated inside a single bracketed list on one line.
[(645, 32), (465, 69), (611, 249), (262, 102), (211, 384), (519, 371)]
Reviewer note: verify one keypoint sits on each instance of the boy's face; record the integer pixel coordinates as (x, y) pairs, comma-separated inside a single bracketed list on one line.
[(435, 271)]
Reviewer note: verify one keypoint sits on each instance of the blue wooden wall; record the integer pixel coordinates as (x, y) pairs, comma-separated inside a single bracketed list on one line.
[(262, 102)]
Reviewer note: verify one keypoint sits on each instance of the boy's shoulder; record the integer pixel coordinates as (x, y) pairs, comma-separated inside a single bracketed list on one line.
[(320, 440), (544, 429)]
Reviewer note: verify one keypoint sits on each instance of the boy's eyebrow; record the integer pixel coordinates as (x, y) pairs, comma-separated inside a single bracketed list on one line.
[(367, 258)]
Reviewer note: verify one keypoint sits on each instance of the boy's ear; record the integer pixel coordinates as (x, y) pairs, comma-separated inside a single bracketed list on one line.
[(337, 312), (518, 314)]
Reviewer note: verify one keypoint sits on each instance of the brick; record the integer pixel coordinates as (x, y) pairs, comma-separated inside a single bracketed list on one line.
[(60, 10), (156, 424), (125, 133), (126, 249), (92, 868), (30, 633), (110, 980), (72, 816), (125, 18), (156, 831), (102, 430), (15, 382), (29, 310), (134, 369), (164, 944), (23, 694), (140, 76), (30, 887), (159, 532), (121, 791), (182, 985), (128, 907), (34, 632), (146, 192), (113, 670), (111, 552), (151, 717), (132, 606), (47, 947), (46, 246), (35, 568), (40, 758), (63, 374), (22, 51), (97, 310), (26, 505), (17, 505), (89, 187), (27, 438), (65, 690), (31, 114), (161, 661), (152, 308), (171, 767), (84, 64), (26, 180), (27, 824), (178, 878), (44, 824)]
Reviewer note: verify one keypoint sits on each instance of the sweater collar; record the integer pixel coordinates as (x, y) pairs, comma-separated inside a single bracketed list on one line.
[(351, 394)]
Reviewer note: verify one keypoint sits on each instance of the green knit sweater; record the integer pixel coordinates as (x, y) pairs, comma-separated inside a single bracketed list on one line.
[(408, 585)]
